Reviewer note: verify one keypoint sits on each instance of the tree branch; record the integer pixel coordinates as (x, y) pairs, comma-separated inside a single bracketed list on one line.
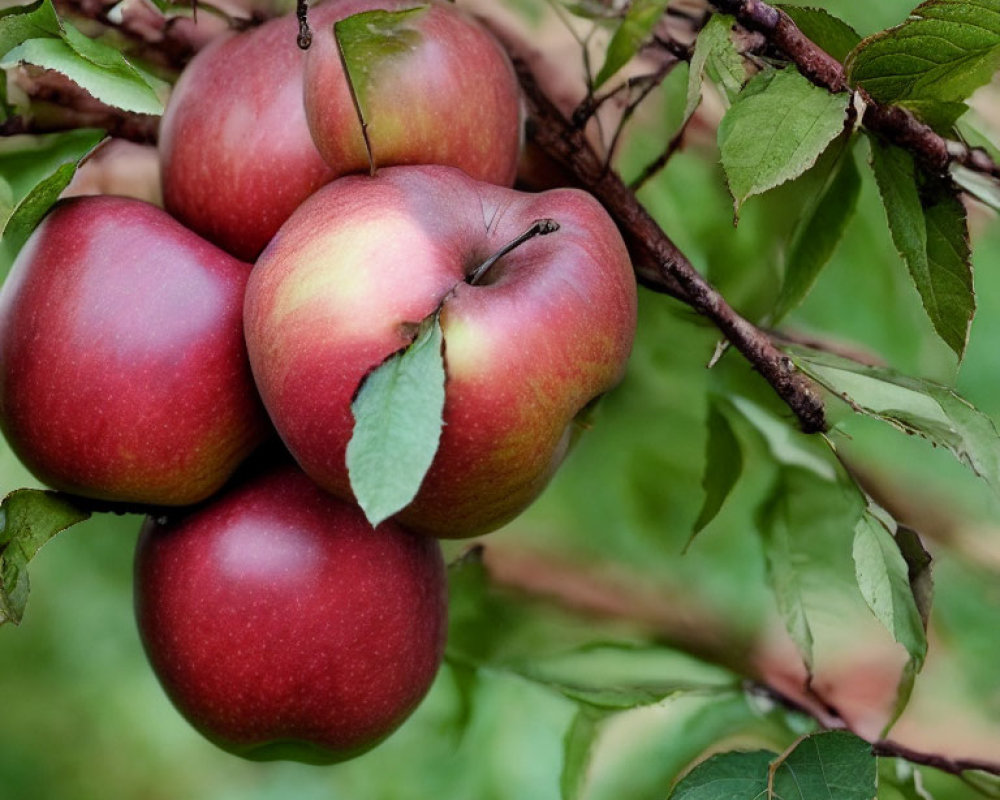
[(953, 766), (659, 264), (599, 594), (897, 125)]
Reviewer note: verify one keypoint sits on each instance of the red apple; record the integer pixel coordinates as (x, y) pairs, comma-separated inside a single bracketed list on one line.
[(434, 88), (236, 154), (352, 273), (282, 626), (123, 372), (236, 151)]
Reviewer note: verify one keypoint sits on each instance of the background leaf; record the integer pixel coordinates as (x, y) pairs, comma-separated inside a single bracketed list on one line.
[(820, 228), (727, 776), (397, 425), (928, 225), (631, 34), (723, 464), (31, 21), (37, 169), (830, 32), (884, 579), (775, 130), (30, 518), (714, 53), (578, 752), (944, 51), (122, 86), (835, 764), (930, 410), (825, 765)]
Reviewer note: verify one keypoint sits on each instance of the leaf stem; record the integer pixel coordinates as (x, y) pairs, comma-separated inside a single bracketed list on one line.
[(540, 227)]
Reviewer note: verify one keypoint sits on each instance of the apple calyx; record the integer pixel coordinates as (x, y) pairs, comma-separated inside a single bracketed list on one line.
[(540, 227), (363, 41)]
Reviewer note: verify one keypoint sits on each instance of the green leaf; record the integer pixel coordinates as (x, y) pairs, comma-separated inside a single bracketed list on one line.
[(111, 80), (578, 751), (982, 187), (397, 425), (365, 42), (801, 520), (904, 778), (819, 230), (883, 577), (593, 10), (944, 51), (32, 21), (30, 210), (918, 570), (825, 765), (828, 765), (778, 521), (723, 465), (630, 35), (788, 446), (831, 33), (28, 519), (6, 200), (927, 409), (928, 227), (940, 116), (37, 169), (775, 130), (715, 53), (727, 776), (884, 580)]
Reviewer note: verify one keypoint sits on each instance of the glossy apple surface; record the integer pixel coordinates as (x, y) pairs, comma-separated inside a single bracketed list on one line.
[(282, 626), (435, 88), (236, 154), (123, 372), (360, 264)]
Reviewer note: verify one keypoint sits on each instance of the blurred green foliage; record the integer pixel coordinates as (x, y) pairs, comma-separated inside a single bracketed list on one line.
[(81, 715)]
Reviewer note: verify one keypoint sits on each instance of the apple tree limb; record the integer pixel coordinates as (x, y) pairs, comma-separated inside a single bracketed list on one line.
[(659, 263), (894, 123)]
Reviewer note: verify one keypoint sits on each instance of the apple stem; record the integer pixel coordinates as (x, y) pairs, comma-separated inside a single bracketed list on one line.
[(540, 227), (305, 37)]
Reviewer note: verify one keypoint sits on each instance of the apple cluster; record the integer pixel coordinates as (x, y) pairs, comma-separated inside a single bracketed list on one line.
[(319, 208)]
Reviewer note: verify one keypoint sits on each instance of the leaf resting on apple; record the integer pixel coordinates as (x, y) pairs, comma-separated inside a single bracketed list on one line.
[(397, 425), (365, 40)]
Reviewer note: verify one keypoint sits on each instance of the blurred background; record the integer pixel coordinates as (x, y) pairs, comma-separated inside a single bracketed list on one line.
[(82, 716)]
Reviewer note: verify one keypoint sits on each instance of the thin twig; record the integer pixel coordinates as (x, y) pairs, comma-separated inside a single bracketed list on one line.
[(658, 163), (953, 766)]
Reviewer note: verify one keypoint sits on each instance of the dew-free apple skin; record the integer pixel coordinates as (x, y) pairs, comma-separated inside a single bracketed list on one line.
[(281, 625), (123, 369), (352, 274)]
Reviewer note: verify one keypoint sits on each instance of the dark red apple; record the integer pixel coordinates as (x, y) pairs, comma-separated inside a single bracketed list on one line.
[(236, 154), (123, 372), (433, 86), (282, 626), (364, 261)]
